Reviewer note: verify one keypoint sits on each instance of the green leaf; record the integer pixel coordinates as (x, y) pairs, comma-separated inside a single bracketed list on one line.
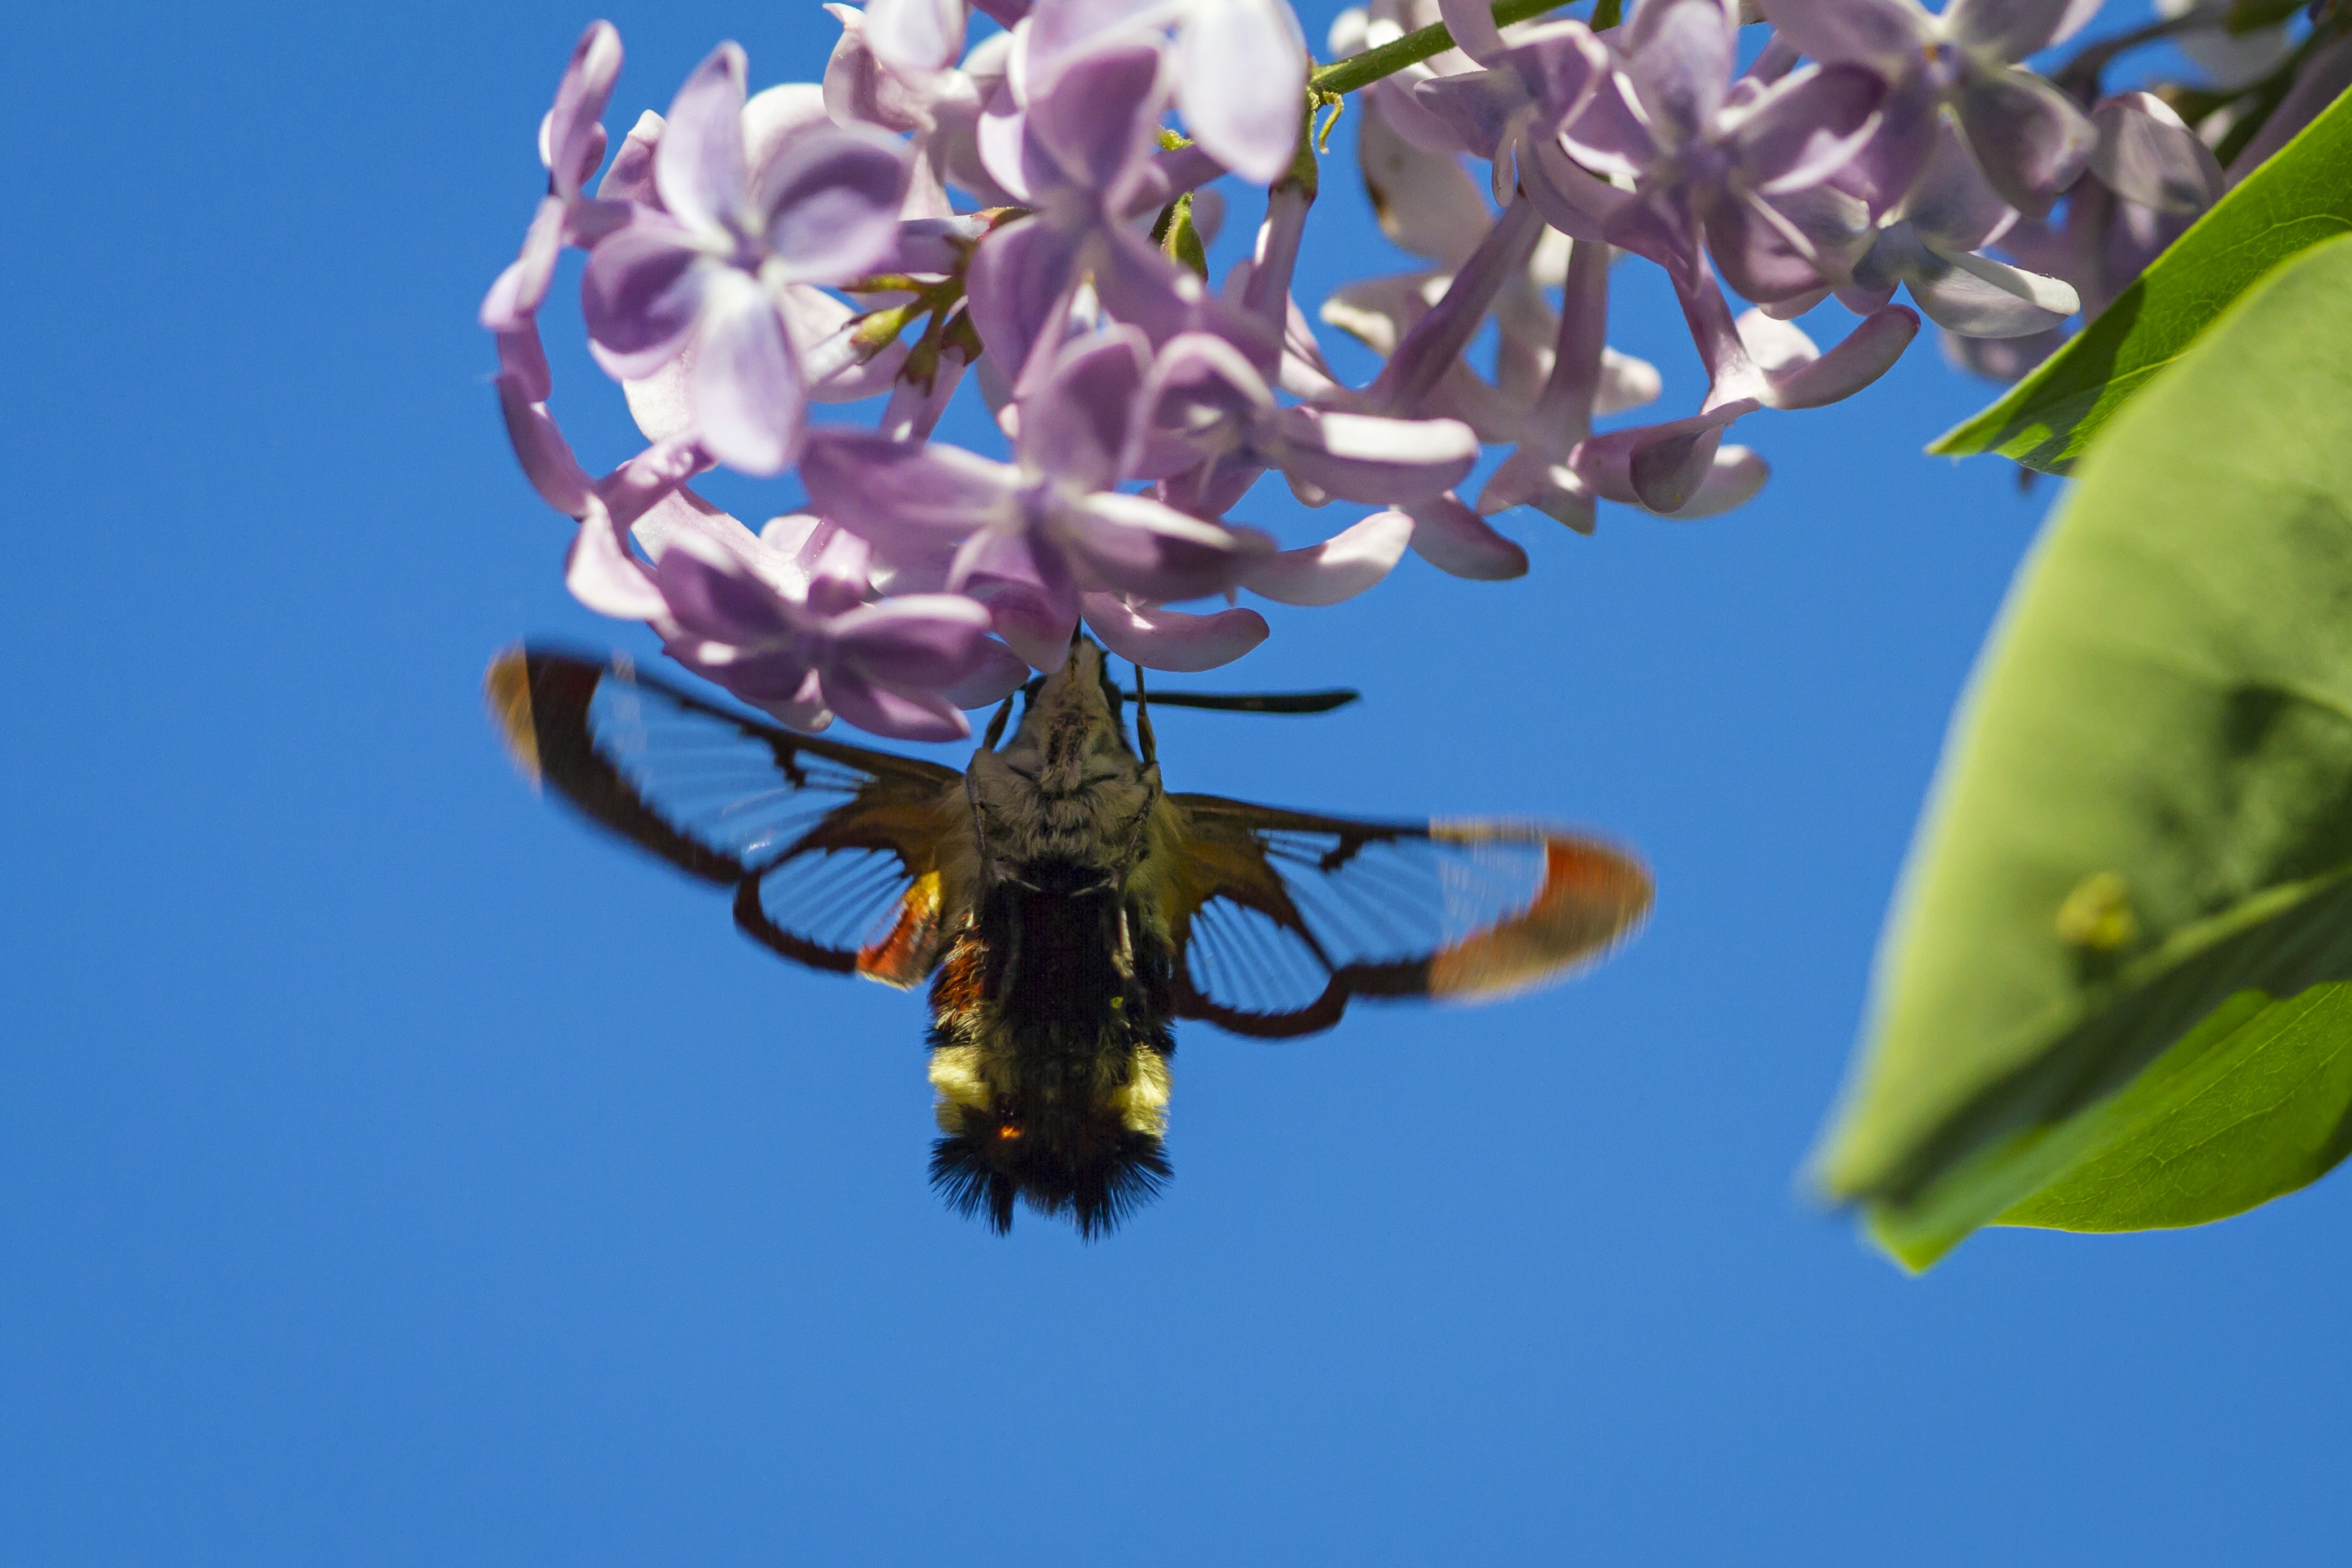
[(2297, 199), (2214, 1130), (2141, 830), (2253, 16)]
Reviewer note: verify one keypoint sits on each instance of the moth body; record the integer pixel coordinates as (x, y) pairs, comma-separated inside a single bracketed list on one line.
[(1065, 908)]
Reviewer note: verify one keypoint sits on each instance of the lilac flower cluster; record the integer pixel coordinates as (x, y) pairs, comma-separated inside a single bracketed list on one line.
[(1019, 213)]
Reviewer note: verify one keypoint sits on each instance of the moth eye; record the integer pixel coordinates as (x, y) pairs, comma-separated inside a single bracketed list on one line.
[(1008, 1132)]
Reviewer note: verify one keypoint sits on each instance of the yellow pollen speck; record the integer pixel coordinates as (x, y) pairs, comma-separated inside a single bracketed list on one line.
[(2098, 913)]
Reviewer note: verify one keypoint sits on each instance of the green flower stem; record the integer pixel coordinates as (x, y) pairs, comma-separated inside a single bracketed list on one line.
[(1362, 70)]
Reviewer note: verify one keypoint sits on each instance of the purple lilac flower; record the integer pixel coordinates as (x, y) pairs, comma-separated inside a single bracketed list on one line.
[(1753, 363), (1240, 67), (913, 37), (882, 667), (2027, 136), (1079, 155), (709, 270), (1708, 159), (1159, 638), (869, 83), (571, 146), (780, 617), (1075, 153), (1529, 89), (1029, 537), (2150, 178), (1931, 243), (1208, 425), (1392, 99), (1429, 206)]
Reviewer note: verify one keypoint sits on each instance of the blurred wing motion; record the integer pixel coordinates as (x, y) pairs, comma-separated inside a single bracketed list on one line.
[(1281, 916), (832, 850)]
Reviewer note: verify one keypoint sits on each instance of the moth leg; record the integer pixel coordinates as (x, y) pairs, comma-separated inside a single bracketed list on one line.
[(1145, 745), (996, 725), (979, 818)]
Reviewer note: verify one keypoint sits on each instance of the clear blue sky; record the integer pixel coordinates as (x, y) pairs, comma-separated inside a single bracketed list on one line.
[(392, 1173)]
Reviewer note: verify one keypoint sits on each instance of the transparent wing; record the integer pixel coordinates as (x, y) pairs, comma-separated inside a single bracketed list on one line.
[(1281, 916), (832, 850)]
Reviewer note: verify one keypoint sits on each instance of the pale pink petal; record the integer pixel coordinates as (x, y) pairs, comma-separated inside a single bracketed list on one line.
[(700, 166), (1737, 475), (1884, 33), (1074, 426), (1162, 639), (1778, 347), (1981, 298), (1436, 341), (1808, 126), (1243, 69), (994, 673), (859, 89), (915, 408), (711, 594), (1424, 202), (1030, 595), (642, 293), (2028, 137), (2147, 155), (1101, 114), (775, 118), (1199, 392), (1133, 544), (1657, 466), (907, 497), (1866, 353), (1529, 477), (683, 511), (603, 575), (1458, 541), (1471, 23), (574, 142), (920, 639), (1368, 458), (637, 486), (1016, 279), (1612, 135), (631, 177), (998, 137), (1061, 29), (1679, 58), (916, 36), (828, 202), (882, 710), (546, 457), (749, 403), (2012, 29), (1340, 567), (663, 403), (518, 290), (1571, 199)]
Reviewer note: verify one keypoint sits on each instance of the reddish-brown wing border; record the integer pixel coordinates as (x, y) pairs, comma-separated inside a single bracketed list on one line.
[(543, 700), (1591, 896)]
